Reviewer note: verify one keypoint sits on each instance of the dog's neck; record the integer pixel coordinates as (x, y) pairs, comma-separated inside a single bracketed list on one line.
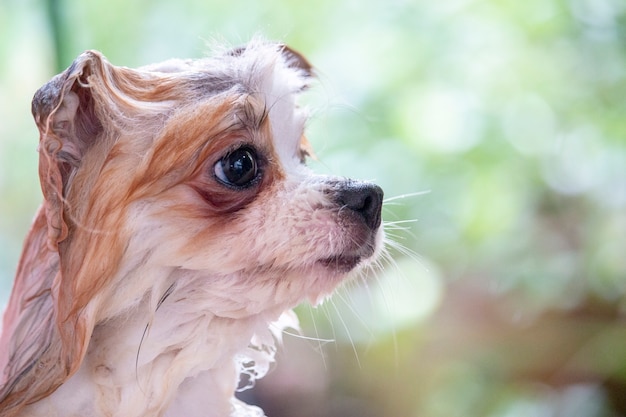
[(180, 360)]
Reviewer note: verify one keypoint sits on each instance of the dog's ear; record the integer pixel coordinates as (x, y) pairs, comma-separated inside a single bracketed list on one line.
[(33, 360), (295, 60), (65, 115), (47, 326)]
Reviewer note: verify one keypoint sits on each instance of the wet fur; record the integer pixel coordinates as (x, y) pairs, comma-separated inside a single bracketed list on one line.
[(144, 283)]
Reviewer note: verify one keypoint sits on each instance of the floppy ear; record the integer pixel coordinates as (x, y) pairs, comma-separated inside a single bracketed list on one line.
[(64, 113), (44, 340), (32, 356)]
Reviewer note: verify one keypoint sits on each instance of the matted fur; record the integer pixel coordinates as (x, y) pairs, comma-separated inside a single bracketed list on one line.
[(147, 285)]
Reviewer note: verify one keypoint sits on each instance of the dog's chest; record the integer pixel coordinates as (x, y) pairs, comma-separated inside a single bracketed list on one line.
[(162, 367)]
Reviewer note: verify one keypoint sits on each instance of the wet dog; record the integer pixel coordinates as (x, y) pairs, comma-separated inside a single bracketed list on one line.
[(180, 224)]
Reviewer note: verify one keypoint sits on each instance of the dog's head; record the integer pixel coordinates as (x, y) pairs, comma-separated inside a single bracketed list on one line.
[(185, 177)]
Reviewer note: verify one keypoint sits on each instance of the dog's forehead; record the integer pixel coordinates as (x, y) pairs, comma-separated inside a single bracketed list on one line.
[(263, 71), (268, 71)]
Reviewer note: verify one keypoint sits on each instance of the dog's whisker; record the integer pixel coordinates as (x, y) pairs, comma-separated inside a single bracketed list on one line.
[(347, 330), (397, 223), (387, 303), (402, 249), (329, 318), (351, 308), (319, 339), (404, 196), (314, 339)]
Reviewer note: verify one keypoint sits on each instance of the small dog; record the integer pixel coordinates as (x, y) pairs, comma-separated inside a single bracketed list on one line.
[(179, 226)]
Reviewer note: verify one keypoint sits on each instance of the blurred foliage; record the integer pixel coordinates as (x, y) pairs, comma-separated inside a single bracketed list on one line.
[(506, 297)]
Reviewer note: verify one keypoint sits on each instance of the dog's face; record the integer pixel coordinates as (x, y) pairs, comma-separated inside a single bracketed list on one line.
[(185, 180), (212, 183), (233, 203)]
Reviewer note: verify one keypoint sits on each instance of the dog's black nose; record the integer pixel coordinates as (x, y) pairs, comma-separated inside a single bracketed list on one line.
[(363, 198)]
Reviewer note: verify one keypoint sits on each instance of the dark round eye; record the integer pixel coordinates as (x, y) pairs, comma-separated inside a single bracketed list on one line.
[(238, 168)]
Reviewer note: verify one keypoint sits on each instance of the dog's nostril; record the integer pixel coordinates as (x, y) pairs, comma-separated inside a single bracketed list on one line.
[(363, 198)]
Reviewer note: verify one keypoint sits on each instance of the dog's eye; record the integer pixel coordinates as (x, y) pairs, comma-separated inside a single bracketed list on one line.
[(238, 168)]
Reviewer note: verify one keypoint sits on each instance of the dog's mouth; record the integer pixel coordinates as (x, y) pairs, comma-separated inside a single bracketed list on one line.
[(341, 263), (347, 261)]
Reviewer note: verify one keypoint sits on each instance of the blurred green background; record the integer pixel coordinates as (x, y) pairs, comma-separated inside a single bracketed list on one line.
[(506, 296)]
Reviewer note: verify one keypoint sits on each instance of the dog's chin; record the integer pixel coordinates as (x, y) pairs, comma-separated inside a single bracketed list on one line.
[(341, 263), (349, 260)]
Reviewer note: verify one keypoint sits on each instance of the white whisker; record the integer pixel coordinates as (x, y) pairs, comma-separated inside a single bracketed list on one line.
[(347, 330), (319, 339), (355, 313), (315, 339), (403, 196)]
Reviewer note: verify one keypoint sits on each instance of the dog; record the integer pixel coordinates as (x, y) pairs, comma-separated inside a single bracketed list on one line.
[(180, 225)]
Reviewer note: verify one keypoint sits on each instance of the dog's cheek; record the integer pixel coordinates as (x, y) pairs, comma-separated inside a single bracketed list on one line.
[(289, 226), (293, 226)]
